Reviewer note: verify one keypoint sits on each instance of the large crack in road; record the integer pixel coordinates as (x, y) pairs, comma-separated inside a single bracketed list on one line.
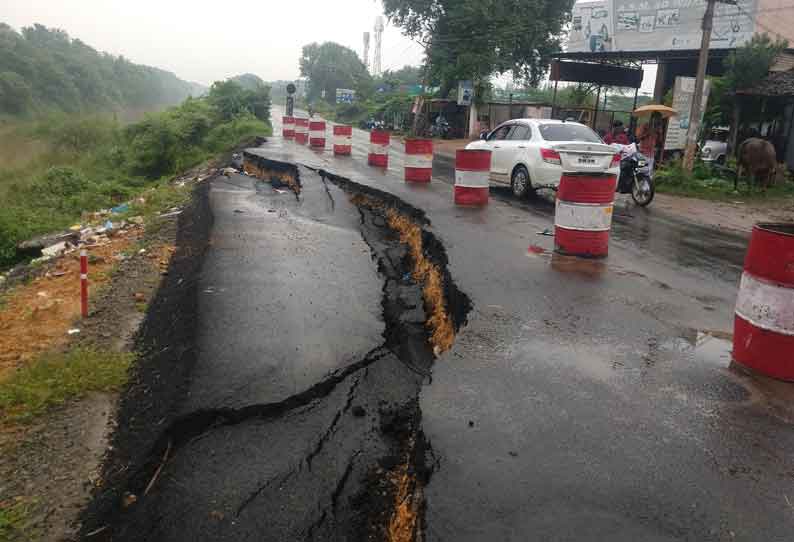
[(343, 459)]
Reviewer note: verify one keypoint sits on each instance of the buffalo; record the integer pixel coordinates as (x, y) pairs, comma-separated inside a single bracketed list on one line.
[(757, 157)]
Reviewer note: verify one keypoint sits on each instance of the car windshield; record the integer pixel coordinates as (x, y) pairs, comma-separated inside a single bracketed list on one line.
[(568, 132)]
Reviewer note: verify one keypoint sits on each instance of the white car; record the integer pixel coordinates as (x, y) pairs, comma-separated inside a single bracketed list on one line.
[(527, 154)]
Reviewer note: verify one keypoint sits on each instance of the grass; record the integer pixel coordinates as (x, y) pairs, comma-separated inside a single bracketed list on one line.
[(709, 184), (54, 378), (14, 521), (56, 169)]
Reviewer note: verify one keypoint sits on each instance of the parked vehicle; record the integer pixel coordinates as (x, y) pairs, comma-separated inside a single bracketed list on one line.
[(441, 128), (529, 154), (715, 148), (635, 175)]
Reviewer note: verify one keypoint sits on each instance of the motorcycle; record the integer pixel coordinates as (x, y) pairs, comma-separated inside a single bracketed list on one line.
[(373, 124), (635, 175), (441, 128)]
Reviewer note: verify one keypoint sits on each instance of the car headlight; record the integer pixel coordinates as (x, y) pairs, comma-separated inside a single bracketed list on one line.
[(706, 151)]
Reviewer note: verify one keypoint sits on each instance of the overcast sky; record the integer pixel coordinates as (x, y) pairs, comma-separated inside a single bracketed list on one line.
[(206, 41)]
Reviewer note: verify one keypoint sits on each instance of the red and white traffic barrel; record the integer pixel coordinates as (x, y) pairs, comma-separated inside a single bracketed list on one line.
[(472, 169), (418, 160), (317, 134), (378, 148), (583, 215), (288, 127), (343, 140), (301, 131), (763, 333)]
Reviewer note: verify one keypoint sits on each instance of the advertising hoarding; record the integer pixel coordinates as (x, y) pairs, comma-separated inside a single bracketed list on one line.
[(345, 96), (657, 25), (591, 27), (683, 97), (465, 92)]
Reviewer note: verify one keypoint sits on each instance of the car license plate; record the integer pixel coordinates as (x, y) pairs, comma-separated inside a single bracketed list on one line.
[(586, 159)]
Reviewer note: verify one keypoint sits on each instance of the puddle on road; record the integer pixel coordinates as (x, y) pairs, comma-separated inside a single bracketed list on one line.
[(580, 266)]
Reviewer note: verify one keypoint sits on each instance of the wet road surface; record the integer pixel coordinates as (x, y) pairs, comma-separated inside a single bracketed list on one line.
[(590, 400), (646, 232)]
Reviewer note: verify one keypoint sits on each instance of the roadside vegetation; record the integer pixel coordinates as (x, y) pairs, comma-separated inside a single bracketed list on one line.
[(714, 183), (73, 165), (43, 70), (56, 377)]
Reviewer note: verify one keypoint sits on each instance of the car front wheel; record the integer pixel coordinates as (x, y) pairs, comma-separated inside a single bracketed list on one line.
[(520, 182)]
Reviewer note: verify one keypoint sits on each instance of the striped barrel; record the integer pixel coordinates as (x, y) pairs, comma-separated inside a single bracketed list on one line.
[(583, 215), (472, 169), (343, 140), (378, 148), (301, 130), (418, 160), (317, 134), (288, 127), (763, 334)]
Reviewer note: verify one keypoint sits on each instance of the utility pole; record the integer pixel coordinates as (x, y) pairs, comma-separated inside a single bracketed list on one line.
[(697, 99)]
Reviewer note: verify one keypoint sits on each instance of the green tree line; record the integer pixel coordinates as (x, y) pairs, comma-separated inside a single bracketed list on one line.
[(94, 162), (43, 69)]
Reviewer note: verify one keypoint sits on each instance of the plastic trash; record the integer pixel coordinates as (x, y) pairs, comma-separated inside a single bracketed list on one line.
[(118, 209)]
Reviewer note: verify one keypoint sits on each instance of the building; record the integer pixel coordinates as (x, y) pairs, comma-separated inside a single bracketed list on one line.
[(668, 33)]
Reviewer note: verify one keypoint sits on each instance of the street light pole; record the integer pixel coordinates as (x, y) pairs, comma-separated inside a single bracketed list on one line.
[(697, 99)]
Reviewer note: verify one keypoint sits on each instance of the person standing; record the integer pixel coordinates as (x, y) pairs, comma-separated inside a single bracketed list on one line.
[(648, 137), (617, 135)]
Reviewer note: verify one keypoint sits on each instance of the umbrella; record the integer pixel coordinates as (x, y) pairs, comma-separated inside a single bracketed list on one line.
[(665, 111)]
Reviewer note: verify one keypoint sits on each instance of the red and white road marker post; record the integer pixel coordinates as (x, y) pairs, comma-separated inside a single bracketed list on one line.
[(379, 148), (583, 214), (317, 134), (343, 140), (472, 170), (763, 332), (84, 283), (418, 160)]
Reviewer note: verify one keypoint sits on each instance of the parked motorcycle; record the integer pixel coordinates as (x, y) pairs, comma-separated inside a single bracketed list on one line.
[(441, 129), (635, 175)]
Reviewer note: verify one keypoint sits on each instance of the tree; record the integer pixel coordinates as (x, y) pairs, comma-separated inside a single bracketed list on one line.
[(744, 68), (45, 69), (475, 39), (15, 92), (230, 100), (330, 66), (407, 75)]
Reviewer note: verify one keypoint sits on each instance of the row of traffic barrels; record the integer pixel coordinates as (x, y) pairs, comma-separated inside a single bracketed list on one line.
[(763, 338), (472, 167)]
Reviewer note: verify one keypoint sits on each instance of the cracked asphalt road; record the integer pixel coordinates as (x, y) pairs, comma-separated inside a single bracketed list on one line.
[(586, 400), (302, 406)]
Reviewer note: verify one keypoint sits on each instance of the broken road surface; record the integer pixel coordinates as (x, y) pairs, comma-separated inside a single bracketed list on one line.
[(579, 400), (301, 418)]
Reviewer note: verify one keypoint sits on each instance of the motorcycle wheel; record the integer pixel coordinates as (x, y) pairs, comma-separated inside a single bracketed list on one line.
[(642, 190)]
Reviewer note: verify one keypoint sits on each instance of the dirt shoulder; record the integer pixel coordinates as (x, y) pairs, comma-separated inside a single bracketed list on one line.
[(738, 215), (51, 452)]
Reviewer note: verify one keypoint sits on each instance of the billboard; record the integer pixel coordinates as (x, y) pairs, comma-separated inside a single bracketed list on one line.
[(683, 97), (345, 96), (465, 92), (657, 25), (591, 27)]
